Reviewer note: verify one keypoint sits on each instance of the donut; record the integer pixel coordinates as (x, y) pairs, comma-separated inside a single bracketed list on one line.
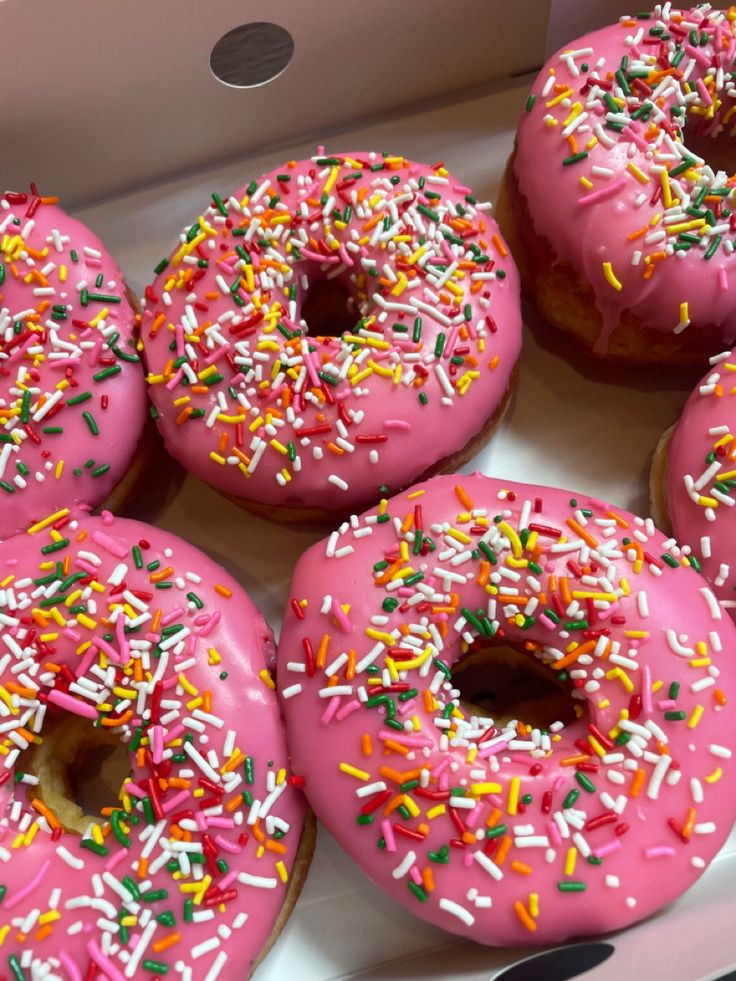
[(116, 636), (693, 479), (72, 391), (622, 230), (498, 826), (331, 332)]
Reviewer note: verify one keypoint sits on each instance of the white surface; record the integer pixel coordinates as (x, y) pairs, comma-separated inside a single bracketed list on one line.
[(100, 96), (574, 422)]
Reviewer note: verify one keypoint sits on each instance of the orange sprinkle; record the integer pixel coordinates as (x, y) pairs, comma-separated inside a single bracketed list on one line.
[(366, 744), (166, 942), (636, 783), (523, 915), (503, 850)]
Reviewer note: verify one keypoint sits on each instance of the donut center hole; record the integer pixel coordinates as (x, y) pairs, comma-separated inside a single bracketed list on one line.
[(80, 770), (329, 310), (506, 684)]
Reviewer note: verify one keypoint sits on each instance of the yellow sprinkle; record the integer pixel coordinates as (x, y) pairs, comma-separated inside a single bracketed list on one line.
[(86, 621), (534, 904), (213, 656), (45, 522), (479, 789), (610, 276), (436, 812), (281, 869), (695, 716), (570, 859), (353, 771), (715, 776), (640, 175), (265, 676), (513, 799), (187, 685)]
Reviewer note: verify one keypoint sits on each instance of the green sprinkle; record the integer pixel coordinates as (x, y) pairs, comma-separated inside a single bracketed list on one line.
[(156, 967), (675, 716), (101, 471), (439, 345), (90, 420), (571, 886), (585, 782), (161, 266), (530, 102), (569, 801), (92, 846), (670, 560), (417, 890), (15, 967), (575, 158), (78, 399), (114, 369), (428, 213)]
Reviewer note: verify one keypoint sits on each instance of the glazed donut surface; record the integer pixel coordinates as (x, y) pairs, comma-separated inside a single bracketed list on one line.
[(505, 832)]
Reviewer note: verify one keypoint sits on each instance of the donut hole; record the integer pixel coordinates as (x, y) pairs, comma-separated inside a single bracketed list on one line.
[(507, 684), (80, 770), (329, 310)]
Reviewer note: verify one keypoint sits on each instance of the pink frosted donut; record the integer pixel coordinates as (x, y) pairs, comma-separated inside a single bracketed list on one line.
[(617, 211), (72, 393), (700, 477), (251, 401), (507, 833), (132, 632)]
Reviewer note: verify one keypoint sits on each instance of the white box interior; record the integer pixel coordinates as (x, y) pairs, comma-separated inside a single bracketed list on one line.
[(576, 423)]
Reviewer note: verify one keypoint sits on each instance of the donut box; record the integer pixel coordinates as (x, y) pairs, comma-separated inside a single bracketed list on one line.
[(165, 135)]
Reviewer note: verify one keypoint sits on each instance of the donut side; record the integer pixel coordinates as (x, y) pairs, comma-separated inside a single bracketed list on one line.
[(658, 482), (563, 296)]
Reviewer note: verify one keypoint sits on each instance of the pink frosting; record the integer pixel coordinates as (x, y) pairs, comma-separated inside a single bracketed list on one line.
[(146, 631), (701, 476), (613, 202), (251, 402), (505, 834), (72, 395)]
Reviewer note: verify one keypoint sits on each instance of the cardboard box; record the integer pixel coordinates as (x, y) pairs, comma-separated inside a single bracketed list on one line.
[(115, 104)]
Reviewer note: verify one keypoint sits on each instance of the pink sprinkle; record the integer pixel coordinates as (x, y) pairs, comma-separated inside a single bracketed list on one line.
[(723, 280), (72, 704), (646, 688), (415, 875), (607, 191), (610, 846), (116, 859), (553, 833), (26, 890), (135, 791), (107, 649), (397, 424), (221, 822), (104, 963), (388, 835), (545, 620), (172, 616), (228, 846), (109, 544), (339, 614), (659, 851), (174, 380), (329, 713), (69, 966), (175, 802), (704, 93), (348, 709)]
